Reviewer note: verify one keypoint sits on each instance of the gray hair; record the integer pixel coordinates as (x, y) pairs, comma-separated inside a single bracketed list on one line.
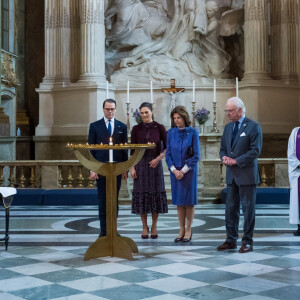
[(238, 103)]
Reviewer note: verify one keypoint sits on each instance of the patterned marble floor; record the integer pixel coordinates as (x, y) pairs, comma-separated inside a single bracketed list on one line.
[(45, 258)]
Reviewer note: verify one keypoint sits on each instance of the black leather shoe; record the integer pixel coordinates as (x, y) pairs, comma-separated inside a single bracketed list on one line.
[(226, 246), (102, 234), (246, 248), (188, 239), (296, 233)]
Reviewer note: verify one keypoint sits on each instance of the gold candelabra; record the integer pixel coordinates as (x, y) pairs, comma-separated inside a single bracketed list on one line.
[(112, 244), (215, 129), (128, 119), (193, 113)]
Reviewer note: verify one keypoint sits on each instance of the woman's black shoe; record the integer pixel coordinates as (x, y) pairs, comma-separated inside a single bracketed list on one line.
[(187, 240), (178, 239)]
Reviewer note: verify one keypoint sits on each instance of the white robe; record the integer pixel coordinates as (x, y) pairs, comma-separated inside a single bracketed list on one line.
[(294, 173)]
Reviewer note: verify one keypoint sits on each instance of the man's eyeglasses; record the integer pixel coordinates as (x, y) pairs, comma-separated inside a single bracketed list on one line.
[(229, 111), (110, 109)]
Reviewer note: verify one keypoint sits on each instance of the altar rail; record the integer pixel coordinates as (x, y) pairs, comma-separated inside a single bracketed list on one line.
[(71, 174), (273, 171), (44, 174)]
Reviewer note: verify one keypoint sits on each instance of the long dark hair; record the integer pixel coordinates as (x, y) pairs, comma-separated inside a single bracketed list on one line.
[(181, 110)]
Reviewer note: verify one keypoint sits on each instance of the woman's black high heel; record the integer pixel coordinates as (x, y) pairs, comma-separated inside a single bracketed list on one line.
[(188, 239)]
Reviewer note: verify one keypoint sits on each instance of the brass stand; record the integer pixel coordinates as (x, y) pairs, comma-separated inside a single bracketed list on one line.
[(111, 244), (128, 119), (215, 129), (193, 113)]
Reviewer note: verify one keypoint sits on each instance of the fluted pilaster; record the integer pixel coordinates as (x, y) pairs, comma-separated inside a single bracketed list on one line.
[(61, 40), (92, 40), (256, 40), (290, 39), (285, 39), (275, 38)]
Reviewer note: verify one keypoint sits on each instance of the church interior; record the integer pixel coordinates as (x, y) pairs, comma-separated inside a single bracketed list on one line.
[(60, 59)]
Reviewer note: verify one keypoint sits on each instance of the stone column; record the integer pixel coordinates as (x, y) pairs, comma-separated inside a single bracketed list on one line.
[(256, 40), (290, 40), (285, 39), (92, 40), (275, 38), (58, 41)]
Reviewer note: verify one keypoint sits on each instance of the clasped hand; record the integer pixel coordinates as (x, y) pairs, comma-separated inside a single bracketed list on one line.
[(178, 174), (228, 161)]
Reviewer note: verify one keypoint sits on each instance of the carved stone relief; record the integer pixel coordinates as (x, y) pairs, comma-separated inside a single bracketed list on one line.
[(161, 39)]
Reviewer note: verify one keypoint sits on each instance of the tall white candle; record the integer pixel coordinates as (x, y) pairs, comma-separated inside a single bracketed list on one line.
[(151, 92), (193, 91), (237, 86), (111, 158), (128, 92), (107, 92), (215, 90)]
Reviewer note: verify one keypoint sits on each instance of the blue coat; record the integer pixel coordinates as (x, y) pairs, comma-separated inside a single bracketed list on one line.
[(184, 191), (99, 134)]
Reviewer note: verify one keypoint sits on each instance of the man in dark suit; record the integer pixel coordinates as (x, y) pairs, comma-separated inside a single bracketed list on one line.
[(240, 147), (100, 132)]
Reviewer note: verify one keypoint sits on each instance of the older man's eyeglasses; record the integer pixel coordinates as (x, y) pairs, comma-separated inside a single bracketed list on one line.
[(110, 109), (229, 111)]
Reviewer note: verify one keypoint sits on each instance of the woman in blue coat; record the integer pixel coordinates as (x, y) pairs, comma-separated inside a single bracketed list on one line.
[(182, 156)]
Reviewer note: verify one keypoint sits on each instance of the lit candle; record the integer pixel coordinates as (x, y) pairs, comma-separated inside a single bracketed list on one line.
[(127, 91), (237, 86), (215, 90), (151, 92), (193, 91), (111, 159), (107, 92)]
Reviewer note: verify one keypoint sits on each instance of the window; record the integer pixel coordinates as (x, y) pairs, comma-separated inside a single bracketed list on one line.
[(5, 25)]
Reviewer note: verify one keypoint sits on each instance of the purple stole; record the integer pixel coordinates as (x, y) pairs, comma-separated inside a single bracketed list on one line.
[(298, 156)]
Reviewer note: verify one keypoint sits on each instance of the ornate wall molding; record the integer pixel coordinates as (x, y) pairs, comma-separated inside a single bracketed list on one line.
[(8, 75)]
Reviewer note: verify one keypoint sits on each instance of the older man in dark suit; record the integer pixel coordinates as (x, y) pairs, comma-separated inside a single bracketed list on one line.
[(100, 132), (240, 147)]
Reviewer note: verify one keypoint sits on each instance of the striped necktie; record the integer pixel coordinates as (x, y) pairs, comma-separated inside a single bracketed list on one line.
[(235, 131)]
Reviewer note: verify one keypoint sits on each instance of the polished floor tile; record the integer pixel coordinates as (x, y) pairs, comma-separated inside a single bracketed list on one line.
[(48, 264), (251, 284)]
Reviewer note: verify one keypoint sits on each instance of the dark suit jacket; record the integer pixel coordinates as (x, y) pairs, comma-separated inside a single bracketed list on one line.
[(245, 149), (99, 134)]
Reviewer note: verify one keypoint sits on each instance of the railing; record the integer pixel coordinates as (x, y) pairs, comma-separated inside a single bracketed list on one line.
[(273, 171), (44, 174), (52, 174)]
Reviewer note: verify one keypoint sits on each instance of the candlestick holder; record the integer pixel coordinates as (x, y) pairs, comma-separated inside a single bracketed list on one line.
[(215, 129), (193, 113), (128, 119)]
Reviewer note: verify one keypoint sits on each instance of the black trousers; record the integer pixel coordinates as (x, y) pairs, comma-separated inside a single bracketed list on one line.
[(246, 195), (101, 185)]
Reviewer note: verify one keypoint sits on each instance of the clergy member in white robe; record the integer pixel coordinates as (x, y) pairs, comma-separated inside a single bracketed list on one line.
[(294, 177)]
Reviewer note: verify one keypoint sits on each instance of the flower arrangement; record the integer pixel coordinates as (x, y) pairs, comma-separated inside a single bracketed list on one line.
[(201, 115), (137, 116)]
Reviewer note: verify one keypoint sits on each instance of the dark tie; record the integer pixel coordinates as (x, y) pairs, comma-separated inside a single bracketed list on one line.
[(235, 131), (109, 127)]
